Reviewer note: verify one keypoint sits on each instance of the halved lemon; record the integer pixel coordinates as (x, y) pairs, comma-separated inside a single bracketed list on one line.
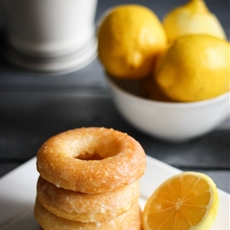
[(186, 201)]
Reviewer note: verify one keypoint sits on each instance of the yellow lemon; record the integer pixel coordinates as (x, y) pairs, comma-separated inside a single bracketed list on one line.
[(187, 201), (194, 68), (129, 38), (193, 17)]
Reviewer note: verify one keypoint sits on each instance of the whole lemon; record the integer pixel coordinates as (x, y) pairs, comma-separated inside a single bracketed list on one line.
[(129, 38), (194, 68), (191, 18)]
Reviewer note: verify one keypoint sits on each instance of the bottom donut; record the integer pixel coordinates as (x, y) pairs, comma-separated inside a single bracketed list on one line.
[(131, 220)]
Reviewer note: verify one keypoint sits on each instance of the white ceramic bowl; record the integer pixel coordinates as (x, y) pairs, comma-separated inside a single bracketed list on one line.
[(174, 122)]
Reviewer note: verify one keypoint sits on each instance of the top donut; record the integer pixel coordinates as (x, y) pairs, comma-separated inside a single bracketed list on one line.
[(91, 160)]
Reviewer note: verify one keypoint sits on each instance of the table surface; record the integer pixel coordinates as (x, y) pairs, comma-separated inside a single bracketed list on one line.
[(35, 106)]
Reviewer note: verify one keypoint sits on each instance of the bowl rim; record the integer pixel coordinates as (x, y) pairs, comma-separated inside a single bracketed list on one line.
[(168, 104)]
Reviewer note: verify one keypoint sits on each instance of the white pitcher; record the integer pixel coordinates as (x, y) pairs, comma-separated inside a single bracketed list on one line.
[(49, 29)]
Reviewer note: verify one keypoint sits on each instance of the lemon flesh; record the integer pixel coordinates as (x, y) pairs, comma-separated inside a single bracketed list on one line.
[(187, 201), (129, 38)]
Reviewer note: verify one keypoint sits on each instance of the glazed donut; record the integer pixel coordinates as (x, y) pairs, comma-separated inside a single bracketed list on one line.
[(130, 220), (87, 207), (91, 160)]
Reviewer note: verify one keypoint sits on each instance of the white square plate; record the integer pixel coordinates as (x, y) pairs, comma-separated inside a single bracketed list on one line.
[(18, 190)]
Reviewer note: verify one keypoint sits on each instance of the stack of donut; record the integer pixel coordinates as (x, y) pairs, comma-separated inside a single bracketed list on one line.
[(89, 179)]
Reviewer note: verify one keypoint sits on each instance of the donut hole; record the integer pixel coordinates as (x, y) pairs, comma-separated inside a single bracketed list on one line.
[(95, 147), (89, 156)]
